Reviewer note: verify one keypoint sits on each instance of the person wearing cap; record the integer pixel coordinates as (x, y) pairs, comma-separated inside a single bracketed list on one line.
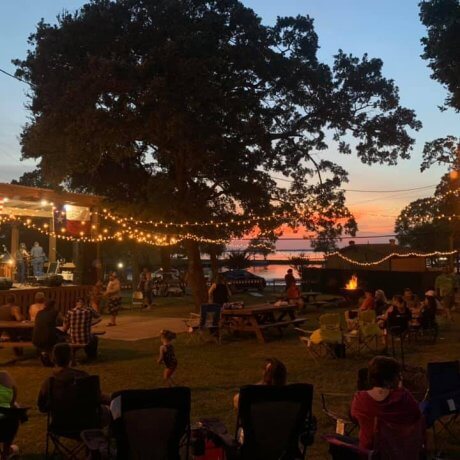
[(38, 258), (39, 305)]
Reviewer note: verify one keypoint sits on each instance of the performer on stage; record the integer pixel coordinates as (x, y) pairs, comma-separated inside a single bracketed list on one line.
[(38, 259), (22, 260)]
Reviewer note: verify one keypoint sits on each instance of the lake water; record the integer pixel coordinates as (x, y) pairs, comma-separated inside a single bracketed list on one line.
[(272, 271)]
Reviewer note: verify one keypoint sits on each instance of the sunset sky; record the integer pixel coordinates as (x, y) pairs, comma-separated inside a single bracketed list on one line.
[(388, 29)]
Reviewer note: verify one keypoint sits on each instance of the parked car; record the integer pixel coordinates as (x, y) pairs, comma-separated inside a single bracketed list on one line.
[(242, 280)]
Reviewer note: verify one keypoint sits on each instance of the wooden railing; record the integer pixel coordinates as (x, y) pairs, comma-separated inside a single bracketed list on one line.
[(64, 296)]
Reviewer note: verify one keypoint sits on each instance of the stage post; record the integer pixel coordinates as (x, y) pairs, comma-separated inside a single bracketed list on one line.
[(14, 241), (52, 245)]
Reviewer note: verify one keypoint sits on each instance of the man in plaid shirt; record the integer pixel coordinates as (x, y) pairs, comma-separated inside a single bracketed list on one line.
[(77, 324)]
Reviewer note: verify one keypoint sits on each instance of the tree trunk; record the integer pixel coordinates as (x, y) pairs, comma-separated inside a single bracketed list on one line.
[(165, 253), (214, 263), (196, 279)]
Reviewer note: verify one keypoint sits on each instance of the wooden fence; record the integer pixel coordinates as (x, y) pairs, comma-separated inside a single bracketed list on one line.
[(65, 296)]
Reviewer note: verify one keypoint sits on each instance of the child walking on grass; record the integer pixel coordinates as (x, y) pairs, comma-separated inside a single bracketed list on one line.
[(168, 356)]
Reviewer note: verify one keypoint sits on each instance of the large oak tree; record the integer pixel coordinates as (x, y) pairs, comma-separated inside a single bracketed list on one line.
[(182, 110)]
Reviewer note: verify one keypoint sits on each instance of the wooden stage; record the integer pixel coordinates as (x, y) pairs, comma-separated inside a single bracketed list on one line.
[(65, 296)]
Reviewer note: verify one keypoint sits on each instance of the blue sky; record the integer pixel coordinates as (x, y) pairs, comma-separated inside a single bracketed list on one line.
[(388, 29)]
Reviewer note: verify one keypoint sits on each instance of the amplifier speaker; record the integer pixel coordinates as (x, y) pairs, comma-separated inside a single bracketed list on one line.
[(50, 280), (5, 284)]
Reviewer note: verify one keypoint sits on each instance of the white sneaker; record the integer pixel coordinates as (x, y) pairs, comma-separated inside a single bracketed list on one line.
[(14, 452)]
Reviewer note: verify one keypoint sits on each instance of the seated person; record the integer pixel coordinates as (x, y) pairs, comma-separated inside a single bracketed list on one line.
[(380, 302), (77, 324), (368, 302), (45, 335), (352, 316), (410, 298), (8, 425), (219, 293), (293, 295), (398, 316), (274, 374), (386, 400), (62, 372), (427, 316), (37, 306), (441, 310), (11, 312)]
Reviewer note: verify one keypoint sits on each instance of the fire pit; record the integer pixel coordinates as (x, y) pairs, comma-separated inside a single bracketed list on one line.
[(352, 292)]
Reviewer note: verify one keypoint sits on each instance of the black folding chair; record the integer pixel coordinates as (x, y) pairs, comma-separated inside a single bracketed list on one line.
[(74, 407), (147, 425), (275, 422), (442, 402)]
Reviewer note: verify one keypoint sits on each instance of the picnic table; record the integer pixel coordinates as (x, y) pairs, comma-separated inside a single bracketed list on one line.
[(258, 318), (29, 326)]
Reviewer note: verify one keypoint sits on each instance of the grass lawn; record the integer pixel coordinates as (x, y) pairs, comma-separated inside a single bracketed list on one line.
[(213, 372)]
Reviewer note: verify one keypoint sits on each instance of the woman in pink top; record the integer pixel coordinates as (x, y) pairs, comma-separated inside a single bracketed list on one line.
[(387, 400)]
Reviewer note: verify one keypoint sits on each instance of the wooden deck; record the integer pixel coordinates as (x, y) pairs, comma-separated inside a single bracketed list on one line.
[(65, 296)]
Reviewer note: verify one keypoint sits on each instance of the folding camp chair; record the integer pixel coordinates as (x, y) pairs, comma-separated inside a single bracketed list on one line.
[(74, 407), (323, 342), (442, 402), (369, 331), (391, 442), (275, 422), (147, 425)]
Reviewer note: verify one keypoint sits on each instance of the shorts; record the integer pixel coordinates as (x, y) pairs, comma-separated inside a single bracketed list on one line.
[(114, 305)]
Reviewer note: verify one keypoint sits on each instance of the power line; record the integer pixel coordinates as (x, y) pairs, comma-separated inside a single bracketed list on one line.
[(367, 191), (16, 78)]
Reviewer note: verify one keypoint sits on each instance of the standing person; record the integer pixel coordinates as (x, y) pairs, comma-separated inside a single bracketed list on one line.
[(145, 286), (37, 306), (446, 286), (168, 356), (113, 294), (22, 260), (77, 324), (218, 294), (38, 259), (289, 279)]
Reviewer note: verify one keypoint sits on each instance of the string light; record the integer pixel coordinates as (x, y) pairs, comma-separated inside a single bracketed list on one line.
[(390, 256)]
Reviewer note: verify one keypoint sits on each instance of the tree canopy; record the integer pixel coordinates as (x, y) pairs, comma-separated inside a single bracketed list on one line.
[(442, 45), (421, 224), (182, 110)]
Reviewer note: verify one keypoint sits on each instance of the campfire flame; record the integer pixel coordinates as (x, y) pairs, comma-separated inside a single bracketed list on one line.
[(352, 284)]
